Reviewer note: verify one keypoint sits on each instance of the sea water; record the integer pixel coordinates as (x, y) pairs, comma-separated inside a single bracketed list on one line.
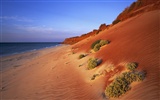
[(16, 48)]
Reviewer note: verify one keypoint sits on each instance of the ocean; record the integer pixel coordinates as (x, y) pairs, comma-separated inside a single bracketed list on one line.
[(16, 48)]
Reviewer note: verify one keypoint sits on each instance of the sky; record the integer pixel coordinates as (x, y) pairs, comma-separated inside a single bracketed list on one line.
[(55, 20)]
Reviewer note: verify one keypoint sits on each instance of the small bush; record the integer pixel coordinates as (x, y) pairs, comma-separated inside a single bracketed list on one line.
[(132, 66), (103, 42), (121, 84), (94, 76), (92, 63), (96, 47), (81, 56), (117, 88), (97, 44), (116, 21), (94, 43)]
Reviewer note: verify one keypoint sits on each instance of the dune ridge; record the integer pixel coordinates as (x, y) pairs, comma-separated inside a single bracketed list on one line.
[(57, 73), (133, 40)]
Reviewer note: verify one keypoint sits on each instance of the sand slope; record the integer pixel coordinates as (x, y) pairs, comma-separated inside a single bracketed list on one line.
[(134, 40), (52, 74), (58, 74)]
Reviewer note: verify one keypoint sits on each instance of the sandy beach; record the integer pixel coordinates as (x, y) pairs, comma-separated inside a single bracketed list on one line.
[(54, 50), (48, 74), (58, 74)]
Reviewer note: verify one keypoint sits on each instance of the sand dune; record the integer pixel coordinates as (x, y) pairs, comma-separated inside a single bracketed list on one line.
[(50, 76), (134, 40), (56, 74)]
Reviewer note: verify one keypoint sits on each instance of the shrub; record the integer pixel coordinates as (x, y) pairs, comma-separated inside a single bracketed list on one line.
[(81, 56), (97, 44), (103, 42), (117, 88), (94, 43), (92, 63), (94, 76), (121, 84), (116, 21), (132, 66), (96, 47)]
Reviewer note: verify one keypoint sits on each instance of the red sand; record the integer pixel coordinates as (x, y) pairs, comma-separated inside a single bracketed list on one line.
[(134, 40), (54, 74)]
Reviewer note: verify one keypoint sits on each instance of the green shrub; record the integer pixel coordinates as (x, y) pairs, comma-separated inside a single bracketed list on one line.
[(96, 47), (97, 44), (121, 84), (92, 63), (103, 42), (132, 66), (117, 88), (116, 21), (94, 76), (94, 43), (81, 56)]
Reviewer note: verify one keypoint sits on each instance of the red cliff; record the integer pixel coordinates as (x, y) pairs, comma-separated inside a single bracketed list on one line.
[(76, 39)]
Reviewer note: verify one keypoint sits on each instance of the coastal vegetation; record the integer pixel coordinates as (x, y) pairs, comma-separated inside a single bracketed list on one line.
[(93, 62), (121, 84), (98, 44), (94, 43), (94, 76), (81, 56), (132, 66)]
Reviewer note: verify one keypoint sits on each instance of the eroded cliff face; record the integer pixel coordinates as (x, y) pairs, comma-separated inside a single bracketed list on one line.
[(140, 6), (76, 39)]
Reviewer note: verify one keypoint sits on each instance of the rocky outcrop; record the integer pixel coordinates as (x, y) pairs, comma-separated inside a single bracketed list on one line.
[(76, 39), (136, 8)]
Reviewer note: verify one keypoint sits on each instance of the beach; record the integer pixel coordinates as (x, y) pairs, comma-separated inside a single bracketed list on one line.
[(50, 74)]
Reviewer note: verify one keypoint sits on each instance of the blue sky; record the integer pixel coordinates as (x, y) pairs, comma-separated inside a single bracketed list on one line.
[(55, 20)]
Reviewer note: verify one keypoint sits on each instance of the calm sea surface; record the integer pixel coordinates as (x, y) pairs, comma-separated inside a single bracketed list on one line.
[(15, 48)]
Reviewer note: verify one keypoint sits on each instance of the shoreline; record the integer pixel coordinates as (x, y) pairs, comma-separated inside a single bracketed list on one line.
[(50, 74), (25, 56), (16, 53)]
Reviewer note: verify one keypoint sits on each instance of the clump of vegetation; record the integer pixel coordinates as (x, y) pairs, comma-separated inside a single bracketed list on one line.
[(116, 21), (132, 66), (94, 76), (98, 44), (96, 47), (92, 63), (81, 56), (103, 42), (94, 43), (121, 84)]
